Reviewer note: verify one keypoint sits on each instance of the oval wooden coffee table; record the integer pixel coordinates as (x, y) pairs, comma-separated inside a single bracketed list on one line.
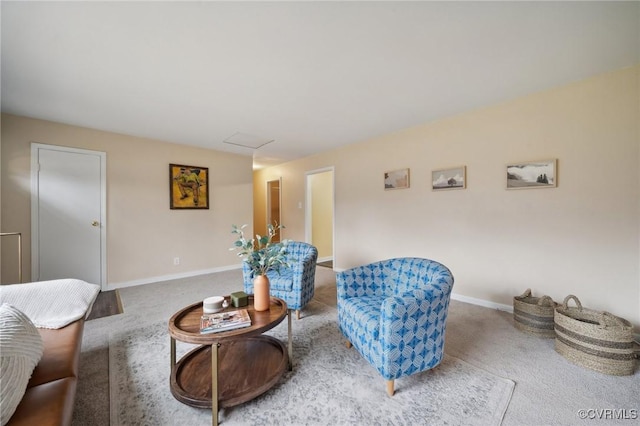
[(230, 367)]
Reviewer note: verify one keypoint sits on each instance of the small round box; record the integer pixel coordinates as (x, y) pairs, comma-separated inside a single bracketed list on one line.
[(213, 304)]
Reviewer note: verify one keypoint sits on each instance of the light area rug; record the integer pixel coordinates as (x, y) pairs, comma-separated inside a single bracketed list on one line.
[(329, 384)]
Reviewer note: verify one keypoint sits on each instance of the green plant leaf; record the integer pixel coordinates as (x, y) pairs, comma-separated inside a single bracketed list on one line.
[(261, 254)]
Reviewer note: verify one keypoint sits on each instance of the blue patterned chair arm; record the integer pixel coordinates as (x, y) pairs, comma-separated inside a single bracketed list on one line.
[(341, 283), (361, 281), (395, 307), (307, 263), (408, 311)]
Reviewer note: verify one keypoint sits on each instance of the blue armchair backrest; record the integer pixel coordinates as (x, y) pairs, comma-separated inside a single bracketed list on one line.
[(298, 251), (396, 277), (407, 274)]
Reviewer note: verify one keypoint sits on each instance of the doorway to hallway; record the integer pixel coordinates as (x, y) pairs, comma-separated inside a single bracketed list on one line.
[(319, 213)]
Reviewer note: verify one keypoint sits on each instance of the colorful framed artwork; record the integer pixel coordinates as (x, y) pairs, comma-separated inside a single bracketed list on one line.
[(453, 178), (396, 179), (188, 186), (532, 174)]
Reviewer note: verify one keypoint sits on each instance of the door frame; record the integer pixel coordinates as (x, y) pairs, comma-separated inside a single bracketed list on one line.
[(308, 207), (35, 262), (268, 200)]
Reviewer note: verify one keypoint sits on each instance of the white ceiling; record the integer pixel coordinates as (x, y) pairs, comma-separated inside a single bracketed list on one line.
[(309, 75)]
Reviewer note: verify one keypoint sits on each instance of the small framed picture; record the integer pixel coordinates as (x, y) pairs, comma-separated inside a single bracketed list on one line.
[(188, 187), (396, 179), (453, 178), (532, 174)]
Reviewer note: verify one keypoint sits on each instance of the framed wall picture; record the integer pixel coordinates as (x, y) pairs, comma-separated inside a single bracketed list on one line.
[(396, 179), (453, 178), (532, 174), (188, 187)]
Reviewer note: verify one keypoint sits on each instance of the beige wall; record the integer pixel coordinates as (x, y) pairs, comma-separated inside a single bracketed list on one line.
[(580, 238), (143, 234), (321, 186), (1, 228)]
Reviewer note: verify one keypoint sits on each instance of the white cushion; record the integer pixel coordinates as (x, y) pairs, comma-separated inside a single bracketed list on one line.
[(21, 348)]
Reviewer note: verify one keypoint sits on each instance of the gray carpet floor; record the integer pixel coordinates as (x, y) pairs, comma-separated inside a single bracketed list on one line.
[(329, 384), (549, 389)]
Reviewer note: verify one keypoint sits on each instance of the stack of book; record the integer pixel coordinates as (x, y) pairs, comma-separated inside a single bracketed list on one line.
[(224, 321)]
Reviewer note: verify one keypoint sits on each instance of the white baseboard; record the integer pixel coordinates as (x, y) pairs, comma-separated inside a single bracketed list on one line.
[(324, 259), (481, 302), (149, 280)]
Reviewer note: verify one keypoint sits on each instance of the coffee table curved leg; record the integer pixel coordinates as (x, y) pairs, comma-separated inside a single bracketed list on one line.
[(214, 383), (172, 347)]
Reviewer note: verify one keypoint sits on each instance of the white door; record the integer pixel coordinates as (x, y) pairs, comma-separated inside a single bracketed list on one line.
[(68, 229)]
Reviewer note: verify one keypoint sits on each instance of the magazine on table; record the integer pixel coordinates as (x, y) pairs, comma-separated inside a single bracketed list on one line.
[(224, 321)]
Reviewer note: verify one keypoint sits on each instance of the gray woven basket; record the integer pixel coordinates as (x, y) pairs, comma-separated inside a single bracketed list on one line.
[(596, 340), (534, 315)]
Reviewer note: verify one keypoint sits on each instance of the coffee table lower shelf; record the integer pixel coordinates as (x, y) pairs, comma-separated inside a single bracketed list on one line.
[(247, 367)]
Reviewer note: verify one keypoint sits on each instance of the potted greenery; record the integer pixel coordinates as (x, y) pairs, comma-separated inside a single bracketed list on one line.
[(262, 255)]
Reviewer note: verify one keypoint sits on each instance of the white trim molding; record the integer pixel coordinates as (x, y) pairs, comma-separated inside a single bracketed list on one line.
[(481, 302)]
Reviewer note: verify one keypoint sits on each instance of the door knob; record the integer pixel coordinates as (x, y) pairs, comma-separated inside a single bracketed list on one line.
[(95, 223)]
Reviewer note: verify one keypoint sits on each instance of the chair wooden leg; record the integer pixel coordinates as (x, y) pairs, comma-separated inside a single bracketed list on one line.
[(348, 344), (297, 313), (390, 390)]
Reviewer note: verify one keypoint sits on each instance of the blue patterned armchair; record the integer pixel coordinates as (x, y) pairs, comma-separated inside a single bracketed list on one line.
[(295, 285), (394, 312)]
